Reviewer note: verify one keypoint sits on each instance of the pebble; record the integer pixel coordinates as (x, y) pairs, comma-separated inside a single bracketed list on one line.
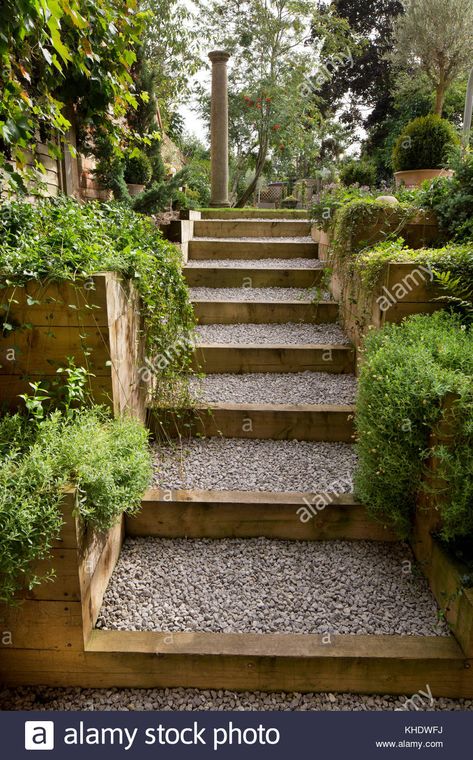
[(297, 388), (52, 698), (289, 334), (257, 264), (261, 585), (280, 295), (236, 464)]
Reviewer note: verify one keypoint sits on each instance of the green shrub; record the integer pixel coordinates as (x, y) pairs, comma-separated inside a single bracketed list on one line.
[(407, 372), (424, 144), (452, 199), (138, 169), (455, 259), (61, 239), (361, 173), (107, 460)]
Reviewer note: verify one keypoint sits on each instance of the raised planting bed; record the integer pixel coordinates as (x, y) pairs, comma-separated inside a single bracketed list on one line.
[(94, 321), (401, 289)]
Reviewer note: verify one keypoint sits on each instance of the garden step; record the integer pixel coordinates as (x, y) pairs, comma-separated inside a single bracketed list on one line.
[(301, 388), (260, 662), (252, 514), (235, 464), (253, 213), (263, 586), (238, 358), (277, 274), (252, 248), (215, 228), (209, 311), (302, 422)]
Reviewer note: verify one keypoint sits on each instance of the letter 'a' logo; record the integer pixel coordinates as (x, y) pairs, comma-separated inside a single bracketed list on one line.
[(39, 734)]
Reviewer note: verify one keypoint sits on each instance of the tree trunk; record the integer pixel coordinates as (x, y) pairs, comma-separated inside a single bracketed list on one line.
[(441, 90), (246, 195)]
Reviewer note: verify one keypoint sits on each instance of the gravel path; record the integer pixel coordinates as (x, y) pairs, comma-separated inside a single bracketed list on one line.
[(287, 335), (257, 264), (236, 464), (306, 295), (302, 388), (262, 585), (46, 698)]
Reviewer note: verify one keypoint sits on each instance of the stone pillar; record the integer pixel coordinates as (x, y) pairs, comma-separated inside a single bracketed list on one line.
[(219, 129)]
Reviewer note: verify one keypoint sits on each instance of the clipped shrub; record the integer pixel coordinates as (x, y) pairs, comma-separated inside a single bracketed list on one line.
[(407, 372), (138, 169), (361, 173), (424, 144)]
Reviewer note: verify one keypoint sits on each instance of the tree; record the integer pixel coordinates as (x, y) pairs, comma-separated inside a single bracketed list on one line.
[(273, 78), (60, 58), (436, 37), (366, 84)]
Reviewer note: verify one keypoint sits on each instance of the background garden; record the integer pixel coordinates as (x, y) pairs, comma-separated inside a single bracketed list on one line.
[(349, 116)]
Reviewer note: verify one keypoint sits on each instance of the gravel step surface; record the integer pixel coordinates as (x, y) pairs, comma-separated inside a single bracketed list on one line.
[(276, 240), (48, 698), (235, 464), (257, 264), (280, 295), (302, 388), (286, 335), (261, 585)]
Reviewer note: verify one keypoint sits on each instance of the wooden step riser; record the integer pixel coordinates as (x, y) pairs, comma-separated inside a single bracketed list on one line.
[(251, 662), (210, 277), (257, 213), (217, 359), (231, 229), (279, 423), (203, 250), (269, 312), (341, 520)]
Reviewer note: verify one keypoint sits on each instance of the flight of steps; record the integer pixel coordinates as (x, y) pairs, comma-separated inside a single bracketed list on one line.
[(243, 334)]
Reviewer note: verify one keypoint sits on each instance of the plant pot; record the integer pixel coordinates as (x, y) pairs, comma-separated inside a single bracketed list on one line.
[(289, 204), (415, 177), (135, 189)]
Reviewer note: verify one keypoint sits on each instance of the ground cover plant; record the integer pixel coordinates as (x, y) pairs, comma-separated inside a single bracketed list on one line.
[(106, 459), (61, 239), (407, 372)]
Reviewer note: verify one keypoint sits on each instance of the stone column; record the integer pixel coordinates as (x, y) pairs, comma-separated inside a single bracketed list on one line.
[(219, 129)]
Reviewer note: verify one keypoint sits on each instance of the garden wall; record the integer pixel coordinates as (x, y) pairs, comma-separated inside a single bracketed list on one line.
[(95, 321)]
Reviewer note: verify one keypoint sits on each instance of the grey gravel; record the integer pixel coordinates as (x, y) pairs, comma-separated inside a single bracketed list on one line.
[(261, 585), (285, 335), (257, 264), (275, 240), (306, 295), (49, 698), (236, 464), (298, 388)]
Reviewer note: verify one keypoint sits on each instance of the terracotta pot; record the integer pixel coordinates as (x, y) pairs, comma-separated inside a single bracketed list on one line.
[(135, 189), (415, 177)]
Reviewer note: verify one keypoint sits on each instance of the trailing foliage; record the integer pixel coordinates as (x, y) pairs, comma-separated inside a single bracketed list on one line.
[(407, 372), (424, 144), (62, 56), (455, 259), (107, 460), (63, 240)]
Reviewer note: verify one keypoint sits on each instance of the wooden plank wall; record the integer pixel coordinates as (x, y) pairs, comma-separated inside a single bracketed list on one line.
[(96, 321)]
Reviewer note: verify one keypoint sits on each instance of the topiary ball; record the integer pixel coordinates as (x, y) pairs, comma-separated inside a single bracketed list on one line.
[(424, 144)]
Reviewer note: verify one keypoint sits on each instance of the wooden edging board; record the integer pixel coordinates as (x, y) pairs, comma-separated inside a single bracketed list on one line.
[(254, 514), (332, 423), (210, 312), (236, 358)]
